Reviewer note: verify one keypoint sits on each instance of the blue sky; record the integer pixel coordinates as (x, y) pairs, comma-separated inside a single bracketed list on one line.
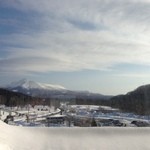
[(97, 45)]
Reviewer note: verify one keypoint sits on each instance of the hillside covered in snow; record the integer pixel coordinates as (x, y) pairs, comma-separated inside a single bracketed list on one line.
[(44, 90), (26, 84), (23, 138)]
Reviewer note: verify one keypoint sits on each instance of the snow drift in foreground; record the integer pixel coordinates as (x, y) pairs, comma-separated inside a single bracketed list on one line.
[(23, 138)]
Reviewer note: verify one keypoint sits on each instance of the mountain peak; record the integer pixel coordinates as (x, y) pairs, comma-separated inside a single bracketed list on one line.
[(43, 90), (27, 84)]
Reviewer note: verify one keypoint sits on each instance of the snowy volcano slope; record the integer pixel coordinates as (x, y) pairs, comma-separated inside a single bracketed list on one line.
[(22, 138)]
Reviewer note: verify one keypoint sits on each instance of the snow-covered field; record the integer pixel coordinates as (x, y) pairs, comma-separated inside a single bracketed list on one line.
[(34, 138), (35, 115), (79, 115)]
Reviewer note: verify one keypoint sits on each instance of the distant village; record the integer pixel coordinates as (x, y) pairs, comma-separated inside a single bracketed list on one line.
[(70, 116)]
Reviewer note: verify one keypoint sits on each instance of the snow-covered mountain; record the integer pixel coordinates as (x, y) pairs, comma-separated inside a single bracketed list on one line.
[(50, 91), (26, 84)]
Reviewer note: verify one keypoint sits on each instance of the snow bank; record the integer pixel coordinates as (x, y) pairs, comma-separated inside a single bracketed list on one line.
[(23, 138), (4, 147)]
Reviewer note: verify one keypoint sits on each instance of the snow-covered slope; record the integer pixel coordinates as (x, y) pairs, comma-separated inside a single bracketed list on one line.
[(48, 90), (26, 84), (23, 138)]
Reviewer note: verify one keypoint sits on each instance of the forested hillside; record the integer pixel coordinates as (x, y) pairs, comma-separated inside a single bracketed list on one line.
[(10, 98), (137, 101)]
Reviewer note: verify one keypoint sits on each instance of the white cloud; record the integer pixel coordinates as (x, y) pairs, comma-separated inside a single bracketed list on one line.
[(133, 75), (76, 35)]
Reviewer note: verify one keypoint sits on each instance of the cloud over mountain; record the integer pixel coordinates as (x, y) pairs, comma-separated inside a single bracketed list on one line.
[(73, 35)]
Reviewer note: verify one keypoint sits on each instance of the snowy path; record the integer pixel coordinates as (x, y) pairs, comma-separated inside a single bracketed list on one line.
[(23, 138)]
